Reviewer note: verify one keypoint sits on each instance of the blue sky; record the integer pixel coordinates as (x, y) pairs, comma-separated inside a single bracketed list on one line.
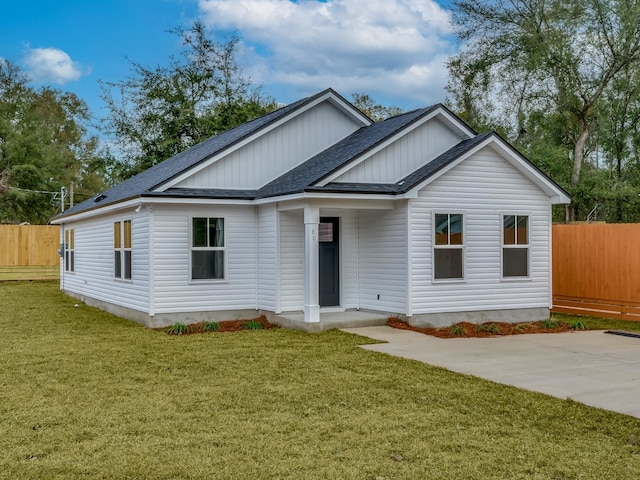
[(393, 50)]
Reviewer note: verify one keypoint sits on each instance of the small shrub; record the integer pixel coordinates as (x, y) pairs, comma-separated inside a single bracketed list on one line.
[(488, 327), (252, 325), (550, 323), (456, 330), (521, 327), (178, 329), (211, 326), (493, 328), (577, 325)]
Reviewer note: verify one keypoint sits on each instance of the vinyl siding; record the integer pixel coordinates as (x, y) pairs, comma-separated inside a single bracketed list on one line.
[(94, 262), (348, 246), (383, 259), (173, 289), (276, 152), (291, 260), (483, 187), (404, 156), (267, 257)]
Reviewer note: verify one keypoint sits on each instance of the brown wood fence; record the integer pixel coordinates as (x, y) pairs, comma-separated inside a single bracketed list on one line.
[(596, 270), (29, 252)]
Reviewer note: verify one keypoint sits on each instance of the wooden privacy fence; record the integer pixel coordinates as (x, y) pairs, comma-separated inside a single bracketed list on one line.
[(596, 270), (29, 252)]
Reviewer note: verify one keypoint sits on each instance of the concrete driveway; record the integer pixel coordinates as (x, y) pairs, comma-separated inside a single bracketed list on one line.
[(594, 368)]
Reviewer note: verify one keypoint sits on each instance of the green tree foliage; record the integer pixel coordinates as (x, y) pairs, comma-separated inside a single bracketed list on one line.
[(540, 70), (373, 110), (161, 111), (43, 146)]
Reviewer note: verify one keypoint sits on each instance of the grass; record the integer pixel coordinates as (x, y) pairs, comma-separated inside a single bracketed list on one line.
[(595, 323), (84, 394)]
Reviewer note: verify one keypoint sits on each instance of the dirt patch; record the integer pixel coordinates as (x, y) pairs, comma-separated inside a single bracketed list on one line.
[(483, 330), (259, 323)]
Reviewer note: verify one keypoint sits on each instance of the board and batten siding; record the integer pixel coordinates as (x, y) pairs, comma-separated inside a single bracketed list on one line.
[(267, 257), (276, 152), (383, 259), (348, 248), (404, 156), (174, 291), (94, 262), (291, 260), (483, 187)]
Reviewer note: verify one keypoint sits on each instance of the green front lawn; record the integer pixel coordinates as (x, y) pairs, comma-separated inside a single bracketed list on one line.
[(84, 394)]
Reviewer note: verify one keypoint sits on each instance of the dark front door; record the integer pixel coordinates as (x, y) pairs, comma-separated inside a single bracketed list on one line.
[(329, 261)]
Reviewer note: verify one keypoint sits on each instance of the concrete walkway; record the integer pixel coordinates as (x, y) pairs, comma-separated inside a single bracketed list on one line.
[(594, 368)]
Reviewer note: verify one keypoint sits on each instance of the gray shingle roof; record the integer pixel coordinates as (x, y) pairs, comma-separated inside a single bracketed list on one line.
[(334, 157), (145, 181), (301, 178), (411, 180)]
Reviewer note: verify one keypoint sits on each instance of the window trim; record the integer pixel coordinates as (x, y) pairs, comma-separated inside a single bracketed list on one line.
[(122, 249), (223, 249), (461, 247), (519, 278), (69, 250)]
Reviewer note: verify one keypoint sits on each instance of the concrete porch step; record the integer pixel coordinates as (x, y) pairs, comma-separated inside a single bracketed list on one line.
[(329, 320)]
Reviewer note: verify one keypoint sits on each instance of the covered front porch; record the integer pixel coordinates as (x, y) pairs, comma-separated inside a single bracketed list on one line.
[(342, 262)]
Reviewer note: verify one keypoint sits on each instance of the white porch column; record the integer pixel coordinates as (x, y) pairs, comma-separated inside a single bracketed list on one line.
[(311, 265)]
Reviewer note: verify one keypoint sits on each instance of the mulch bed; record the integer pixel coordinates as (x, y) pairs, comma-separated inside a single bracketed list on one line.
[(484, 330), (223, 326)]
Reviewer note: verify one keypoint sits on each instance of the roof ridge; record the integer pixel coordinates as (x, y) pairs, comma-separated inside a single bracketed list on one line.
[(168, 169)]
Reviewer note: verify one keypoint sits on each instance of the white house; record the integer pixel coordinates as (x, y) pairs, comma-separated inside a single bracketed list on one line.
[(314, 209)]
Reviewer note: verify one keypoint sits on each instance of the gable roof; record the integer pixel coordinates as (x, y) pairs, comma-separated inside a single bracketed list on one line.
[(309, 176), (413, 179), (146, 181), (334, 157), (299, 180)]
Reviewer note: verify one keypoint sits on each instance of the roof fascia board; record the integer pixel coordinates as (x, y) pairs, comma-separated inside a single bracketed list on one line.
[(98, 211), (450, 121), (509, 155), (360, 204), (530, 171), (327, 200), (150, 201), (321, 195), (455, 123), (330, 96), (194, 201), (354, 203)]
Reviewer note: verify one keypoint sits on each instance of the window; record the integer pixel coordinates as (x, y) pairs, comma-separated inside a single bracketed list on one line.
[(448, 246), (69, 250), (122, 244), (515, 246), (207, 249)]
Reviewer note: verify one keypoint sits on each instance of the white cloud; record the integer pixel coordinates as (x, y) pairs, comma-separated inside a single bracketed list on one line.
[(51, 65), (395, 48)]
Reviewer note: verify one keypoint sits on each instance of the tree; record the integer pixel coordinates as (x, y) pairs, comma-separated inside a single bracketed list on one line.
[(373, 110), (545, 55), (161, 111), (43, 146), (619, 132)]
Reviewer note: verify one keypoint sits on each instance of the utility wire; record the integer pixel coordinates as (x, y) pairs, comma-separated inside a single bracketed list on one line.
[(32, 191)]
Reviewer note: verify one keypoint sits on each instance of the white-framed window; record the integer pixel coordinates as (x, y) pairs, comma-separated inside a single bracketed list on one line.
[(69, 250), (122, 248), (515, 246), (208, 248), (448, 246)]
